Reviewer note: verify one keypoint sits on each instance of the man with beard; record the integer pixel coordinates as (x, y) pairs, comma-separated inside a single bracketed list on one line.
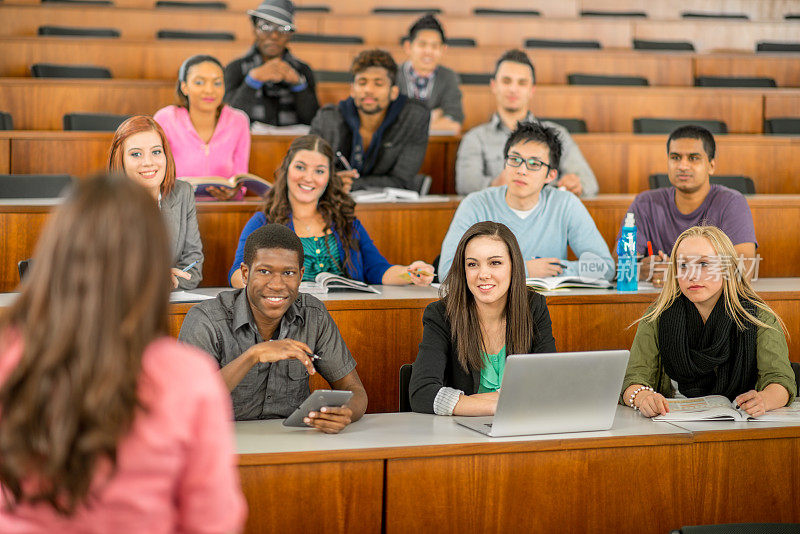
[(480, 162), (381, 134), (268, 83), (663, 214)]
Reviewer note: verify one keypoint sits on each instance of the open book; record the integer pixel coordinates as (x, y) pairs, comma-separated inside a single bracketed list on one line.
[(254, 183), (562, 282), (327, 282), (719, 408)]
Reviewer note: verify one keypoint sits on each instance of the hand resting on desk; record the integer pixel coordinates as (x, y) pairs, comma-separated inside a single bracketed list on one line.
[(477, 404)]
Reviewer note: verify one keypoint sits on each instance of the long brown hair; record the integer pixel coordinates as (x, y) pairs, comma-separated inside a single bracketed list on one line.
[(735, 286), (96, 295), (460, 303), (335, 206), (134, 125)]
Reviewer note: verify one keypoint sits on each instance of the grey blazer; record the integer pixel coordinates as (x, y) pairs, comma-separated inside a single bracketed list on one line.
[(180, 216)]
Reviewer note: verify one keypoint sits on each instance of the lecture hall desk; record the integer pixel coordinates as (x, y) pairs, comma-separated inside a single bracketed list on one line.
[(407, 472)]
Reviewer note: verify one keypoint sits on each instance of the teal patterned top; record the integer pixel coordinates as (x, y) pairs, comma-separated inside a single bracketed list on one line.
[(320, 258), (492, 371)]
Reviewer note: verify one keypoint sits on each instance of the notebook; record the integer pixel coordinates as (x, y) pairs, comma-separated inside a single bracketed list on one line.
[(554, 393)]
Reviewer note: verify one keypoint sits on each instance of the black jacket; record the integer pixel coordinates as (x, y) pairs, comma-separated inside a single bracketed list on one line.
[(437, 363), (264, 104), (402, 147)]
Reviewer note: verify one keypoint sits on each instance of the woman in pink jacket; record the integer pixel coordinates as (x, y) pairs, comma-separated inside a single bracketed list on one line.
[(207, 137)]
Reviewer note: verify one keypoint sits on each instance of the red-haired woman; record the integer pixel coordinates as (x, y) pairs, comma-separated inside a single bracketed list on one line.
[(141, 151)]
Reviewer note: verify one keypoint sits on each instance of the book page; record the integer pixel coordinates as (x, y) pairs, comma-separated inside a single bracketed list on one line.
[(698, 404)]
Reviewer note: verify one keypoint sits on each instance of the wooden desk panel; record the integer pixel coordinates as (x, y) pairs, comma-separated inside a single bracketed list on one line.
[(715, 35), (140, 59), (780, 67), (314, 497), (5, 156), (781, 105)]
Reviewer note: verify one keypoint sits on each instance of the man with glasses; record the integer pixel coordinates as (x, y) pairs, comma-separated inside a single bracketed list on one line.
[(268, 83), (545, 220), (479, 162)]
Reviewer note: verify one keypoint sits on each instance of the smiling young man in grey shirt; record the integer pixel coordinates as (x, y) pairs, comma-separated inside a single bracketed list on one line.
[(264, 336), (480, 161)]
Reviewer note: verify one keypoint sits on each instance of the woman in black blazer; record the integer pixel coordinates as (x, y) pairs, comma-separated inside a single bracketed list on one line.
[(486, 312)]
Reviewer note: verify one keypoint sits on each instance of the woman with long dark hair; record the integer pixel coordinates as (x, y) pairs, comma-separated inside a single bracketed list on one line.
[(207, 137), (308, 197), (708, 333), (486, 312), (140, 150), (107, 424)]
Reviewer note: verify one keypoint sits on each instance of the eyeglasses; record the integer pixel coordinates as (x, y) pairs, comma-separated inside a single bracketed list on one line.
[(532, 164), (266, 28)]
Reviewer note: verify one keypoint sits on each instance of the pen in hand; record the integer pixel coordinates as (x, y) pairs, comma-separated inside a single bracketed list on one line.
[(186, 269), (343, 160), (552, 263)]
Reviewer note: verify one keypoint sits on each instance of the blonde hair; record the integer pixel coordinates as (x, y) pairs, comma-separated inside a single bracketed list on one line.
[(735, 286)]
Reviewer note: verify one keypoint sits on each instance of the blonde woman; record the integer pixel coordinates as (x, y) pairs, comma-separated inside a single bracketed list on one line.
[(708, 333)]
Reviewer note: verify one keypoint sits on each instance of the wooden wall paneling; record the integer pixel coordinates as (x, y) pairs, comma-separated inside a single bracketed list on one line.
[(5, 156), (546, 491), (781, 103), (716, 35), (75, 153), (220, 230), (777, 238), (314, 497), (757, 10), (781, 67)]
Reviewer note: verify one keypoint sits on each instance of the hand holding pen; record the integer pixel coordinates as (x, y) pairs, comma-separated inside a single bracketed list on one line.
[(181, 273), (544, 267), (348, 174), (420, 273)]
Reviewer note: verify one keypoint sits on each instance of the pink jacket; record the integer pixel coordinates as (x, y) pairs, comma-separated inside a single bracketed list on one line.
[(226, 154)]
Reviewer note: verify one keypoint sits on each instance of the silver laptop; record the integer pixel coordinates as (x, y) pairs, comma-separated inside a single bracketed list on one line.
[(554, 393)]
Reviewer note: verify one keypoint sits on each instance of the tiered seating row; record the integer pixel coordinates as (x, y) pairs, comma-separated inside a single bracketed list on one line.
[(39, 104), (707, 35), (621, 162)]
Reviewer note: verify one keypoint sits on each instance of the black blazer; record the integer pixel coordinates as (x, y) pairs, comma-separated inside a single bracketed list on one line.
[(437, 363)]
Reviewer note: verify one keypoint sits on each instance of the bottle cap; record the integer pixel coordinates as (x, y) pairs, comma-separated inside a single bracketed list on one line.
[(629, 219)]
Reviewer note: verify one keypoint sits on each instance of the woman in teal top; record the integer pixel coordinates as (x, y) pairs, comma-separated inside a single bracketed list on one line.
[(486, 312)]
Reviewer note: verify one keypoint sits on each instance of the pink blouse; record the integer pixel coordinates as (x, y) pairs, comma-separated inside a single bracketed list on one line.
[(226, 154), (176, 469)]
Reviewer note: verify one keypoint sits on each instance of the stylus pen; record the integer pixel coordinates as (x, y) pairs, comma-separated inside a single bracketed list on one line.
[(344, 161), (315, 356), (185, 269)]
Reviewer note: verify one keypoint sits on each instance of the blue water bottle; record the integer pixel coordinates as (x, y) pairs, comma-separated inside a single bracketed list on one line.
[(627, 274)]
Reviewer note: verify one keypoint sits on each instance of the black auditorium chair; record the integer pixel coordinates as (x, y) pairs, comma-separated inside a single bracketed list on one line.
[(792, 16), (190, 5), (561, 43), (67, 31), (573, 126), (405, 10), (81, 2), (772, 46), (313, 9), (506, 12), (6, 122), (781, 126), (474, 78), (405, 379), (741, 528), (596, 79), (327, 39), (704, 15), (642, 44), (205, 36), (33, 185), (733, 81), (93, 122), (796, 369), (333, 76), (742, 184), (594, 13), (462, 42), (50, 70), (665, 126), (22, 267)]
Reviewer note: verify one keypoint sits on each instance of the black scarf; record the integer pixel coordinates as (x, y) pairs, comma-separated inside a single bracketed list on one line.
[(715, 358)]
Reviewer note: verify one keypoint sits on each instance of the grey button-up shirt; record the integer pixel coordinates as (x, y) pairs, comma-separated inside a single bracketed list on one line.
[(225, 328), (480, 157)]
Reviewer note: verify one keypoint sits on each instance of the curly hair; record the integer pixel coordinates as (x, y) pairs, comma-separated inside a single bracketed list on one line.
[(335, 206), (374, 58)]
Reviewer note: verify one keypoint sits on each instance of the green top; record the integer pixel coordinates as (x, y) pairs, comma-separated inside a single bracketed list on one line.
[(772, 354), (320, 258), (492, 371)]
